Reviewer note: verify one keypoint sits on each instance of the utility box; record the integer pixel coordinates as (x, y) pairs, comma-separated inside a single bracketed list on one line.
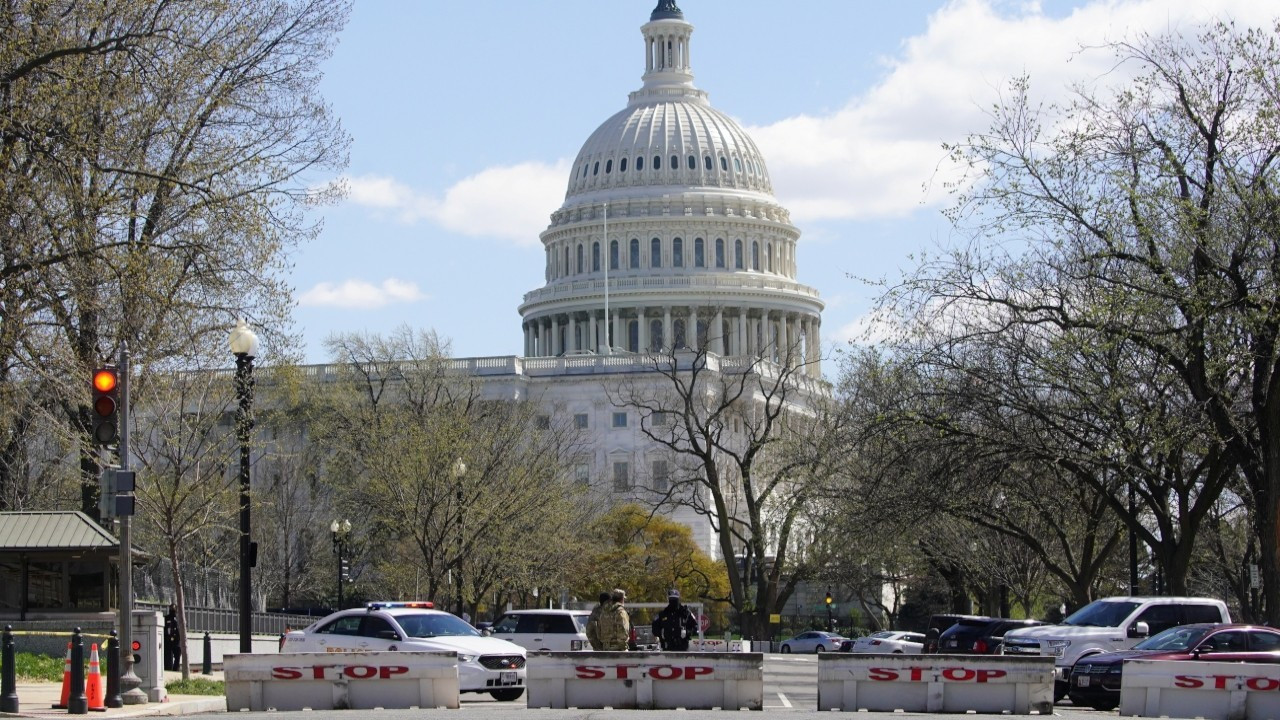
[(148, 664)]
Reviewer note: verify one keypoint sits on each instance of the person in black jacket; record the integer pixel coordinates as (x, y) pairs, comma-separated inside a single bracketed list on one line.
[(675, 624), (172, 646)]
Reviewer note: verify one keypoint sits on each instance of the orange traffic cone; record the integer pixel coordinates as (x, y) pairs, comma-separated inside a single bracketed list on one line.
[(66, 681), (93, 683)]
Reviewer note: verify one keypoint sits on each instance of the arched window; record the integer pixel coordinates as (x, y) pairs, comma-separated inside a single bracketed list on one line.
[(755, 255), (595, 257), (677, 253), (737, 166), (699, 254), (633, 335), (640, 163), (719, 252), (655, 253), (724, 163), (693, 163), (596, 170), (657, 162), (706, 162), (656, 341), (608, 166), (768, 256), (677, 331), (613, 254), (635, 254), (622, 165), (565, 267), (585, 168), (580, 256), (675, 162), (737, 254)]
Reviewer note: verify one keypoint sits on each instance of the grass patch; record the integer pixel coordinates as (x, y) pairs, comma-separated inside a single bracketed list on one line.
[(29, 666), (196, 686)]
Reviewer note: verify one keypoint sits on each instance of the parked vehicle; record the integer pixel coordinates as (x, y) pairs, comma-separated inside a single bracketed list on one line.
[(813, 641), (1108, 625), (979, 635), (485, 664), (1096, 680), (895, 642), (940, 623), (544, 630)]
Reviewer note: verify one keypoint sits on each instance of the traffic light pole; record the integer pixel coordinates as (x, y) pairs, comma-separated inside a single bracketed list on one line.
[(129, 681)]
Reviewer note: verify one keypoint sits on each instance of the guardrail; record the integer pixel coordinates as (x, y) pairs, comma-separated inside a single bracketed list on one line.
[(227, 620), (646, 680), (328, 681), (935, 683)]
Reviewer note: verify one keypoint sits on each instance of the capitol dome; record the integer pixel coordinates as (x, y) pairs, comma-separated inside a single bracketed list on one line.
[(669, 235)]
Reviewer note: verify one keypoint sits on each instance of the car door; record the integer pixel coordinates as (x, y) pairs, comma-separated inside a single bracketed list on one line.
[(378, 634), (342, 634)]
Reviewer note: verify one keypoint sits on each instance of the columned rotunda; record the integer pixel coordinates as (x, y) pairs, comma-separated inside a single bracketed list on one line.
[(669, 235)]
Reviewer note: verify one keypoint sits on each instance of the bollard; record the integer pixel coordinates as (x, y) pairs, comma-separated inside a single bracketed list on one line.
[(77, 703), (9, 681), (207, 666), (113, 672)]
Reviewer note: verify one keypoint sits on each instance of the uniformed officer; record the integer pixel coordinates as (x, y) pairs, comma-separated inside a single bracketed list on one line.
[(615, 624)]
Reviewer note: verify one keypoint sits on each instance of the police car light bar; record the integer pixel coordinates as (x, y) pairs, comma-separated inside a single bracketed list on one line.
[(397, 604)]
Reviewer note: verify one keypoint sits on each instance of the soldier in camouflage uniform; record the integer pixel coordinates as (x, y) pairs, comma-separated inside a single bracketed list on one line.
[(593, 621), (614, 623)]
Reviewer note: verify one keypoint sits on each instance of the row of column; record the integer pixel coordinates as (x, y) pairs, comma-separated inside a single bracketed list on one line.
[(742, 331)]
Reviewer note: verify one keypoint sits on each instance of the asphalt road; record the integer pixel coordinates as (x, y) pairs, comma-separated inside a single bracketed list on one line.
[(790, 689)]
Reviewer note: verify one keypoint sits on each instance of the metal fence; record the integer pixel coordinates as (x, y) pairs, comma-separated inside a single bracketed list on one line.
[(227, 620)]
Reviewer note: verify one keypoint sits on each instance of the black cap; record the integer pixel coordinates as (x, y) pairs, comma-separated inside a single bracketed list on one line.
[(666, 10)]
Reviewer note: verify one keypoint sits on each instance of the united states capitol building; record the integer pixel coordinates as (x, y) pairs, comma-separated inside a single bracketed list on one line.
[(669, 238)]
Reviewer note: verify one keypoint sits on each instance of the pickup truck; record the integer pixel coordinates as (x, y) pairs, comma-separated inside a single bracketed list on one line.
[(1106, 625)]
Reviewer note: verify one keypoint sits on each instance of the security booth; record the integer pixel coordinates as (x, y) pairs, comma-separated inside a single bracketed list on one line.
[(56, 565)]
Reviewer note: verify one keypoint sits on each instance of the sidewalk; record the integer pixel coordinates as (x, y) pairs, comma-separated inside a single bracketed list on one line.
[(36, 699)]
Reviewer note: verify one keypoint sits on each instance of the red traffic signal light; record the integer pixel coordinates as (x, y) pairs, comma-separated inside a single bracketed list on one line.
[(106, 402), (137, 645)]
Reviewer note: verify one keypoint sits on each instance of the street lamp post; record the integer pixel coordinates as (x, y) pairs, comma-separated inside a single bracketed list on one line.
[(340, 532), (244, 345), (459, 469), (829, 626)]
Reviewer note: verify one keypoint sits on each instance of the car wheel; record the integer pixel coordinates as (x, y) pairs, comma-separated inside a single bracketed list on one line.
[(786, 649), (1105, 704), (819, 649), (897, 652), (507, 694)]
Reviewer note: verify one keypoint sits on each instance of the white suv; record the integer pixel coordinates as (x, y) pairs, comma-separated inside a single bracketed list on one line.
[(541, 630), (1106, 625)]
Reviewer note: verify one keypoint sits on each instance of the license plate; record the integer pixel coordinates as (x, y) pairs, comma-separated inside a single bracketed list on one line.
[(1082, 681), (510, 678)]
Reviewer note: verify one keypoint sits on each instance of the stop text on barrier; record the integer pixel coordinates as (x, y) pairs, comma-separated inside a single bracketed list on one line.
[(354, 672), (1225, 682), (631, 672), (948, 674)]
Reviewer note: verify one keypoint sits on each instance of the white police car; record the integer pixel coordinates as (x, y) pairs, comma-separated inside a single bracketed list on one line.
[(485, 664)]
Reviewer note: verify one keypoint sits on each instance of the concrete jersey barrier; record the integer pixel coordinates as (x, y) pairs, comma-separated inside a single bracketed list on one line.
[(348, 680), (935, 683), (646, 680), (1210, 690)]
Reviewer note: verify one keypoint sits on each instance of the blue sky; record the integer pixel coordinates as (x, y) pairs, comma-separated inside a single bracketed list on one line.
[(465, 117)]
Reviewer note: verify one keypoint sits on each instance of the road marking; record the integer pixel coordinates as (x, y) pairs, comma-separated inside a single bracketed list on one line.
[(785, 701)]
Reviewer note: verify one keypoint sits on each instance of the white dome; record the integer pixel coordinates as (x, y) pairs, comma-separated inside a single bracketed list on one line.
[(655, 143)]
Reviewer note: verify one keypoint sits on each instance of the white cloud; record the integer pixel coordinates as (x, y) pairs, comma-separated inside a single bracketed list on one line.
[(512, 203), (875, 156), (361, 295)]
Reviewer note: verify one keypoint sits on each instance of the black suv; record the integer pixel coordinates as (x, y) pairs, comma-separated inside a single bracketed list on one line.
[(979, 635)]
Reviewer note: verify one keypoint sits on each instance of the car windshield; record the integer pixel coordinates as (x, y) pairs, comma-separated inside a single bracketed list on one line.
[(1175, 638), (881, 634), (1102, 613), (428, 625)]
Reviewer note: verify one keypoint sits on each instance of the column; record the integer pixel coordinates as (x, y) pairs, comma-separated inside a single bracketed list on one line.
[(740, 341), (573, 334), (644, 329), (667, 338), (541, 350), (555, 335), (525, 328), (691, 329), (593, 343), (716, 334), (618, 338), (788, 343)]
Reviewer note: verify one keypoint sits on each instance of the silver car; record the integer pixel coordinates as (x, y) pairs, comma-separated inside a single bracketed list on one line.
[(813, 641)]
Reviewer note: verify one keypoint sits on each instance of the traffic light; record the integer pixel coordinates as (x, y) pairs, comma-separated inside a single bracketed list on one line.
[(136, 646), (106, 403), (828, 598)]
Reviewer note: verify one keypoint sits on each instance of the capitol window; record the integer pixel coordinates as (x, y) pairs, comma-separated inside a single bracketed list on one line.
[(640, 163), (580, 254), (675, 162), (660, 475), (737, 254), (621, 475), (677, 253), (693, 163), (620, 419), (699, 255), (608, 166), (613, 254), (622, 165), (737, 166), (596, 171), (635, 254), (719, 252), (655, 253), (595, 257), (706, 162), (580, 421), (724, 163), (657, 162), (755, 256)]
